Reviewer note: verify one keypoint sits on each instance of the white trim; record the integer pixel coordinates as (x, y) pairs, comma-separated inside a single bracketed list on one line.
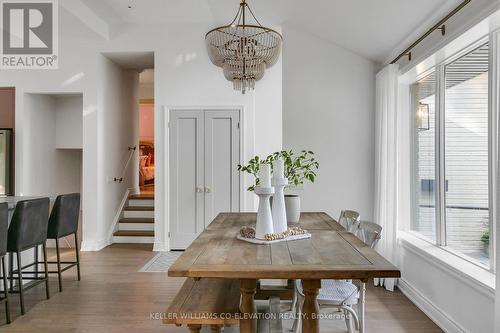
[(118, 214), (133, 239), (482, 18), (95, 245), (161, 247), (165, 246), (475, 277), (494, 106), (442, 319)]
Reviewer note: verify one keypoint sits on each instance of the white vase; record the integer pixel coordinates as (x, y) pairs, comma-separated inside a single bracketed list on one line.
[(264, 223), (278, 205), (292, 204)]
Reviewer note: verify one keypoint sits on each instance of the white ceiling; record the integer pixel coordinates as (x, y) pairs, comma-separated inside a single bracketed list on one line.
[(371, 28), (132, 60)]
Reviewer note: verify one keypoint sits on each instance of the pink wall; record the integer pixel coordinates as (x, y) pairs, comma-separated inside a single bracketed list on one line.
[(146, 132)]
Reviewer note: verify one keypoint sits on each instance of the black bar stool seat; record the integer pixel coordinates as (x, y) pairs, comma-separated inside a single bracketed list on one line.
[(28, 230), (63, 222), (4, 222)]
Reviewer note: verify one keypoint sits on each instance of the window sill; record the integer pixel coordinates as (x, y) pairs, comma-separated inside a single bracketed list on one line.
[(473, 275)]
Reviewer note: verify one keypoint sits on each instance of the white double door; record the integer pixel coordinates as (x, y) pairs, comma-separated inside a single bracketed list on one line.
[(204, 180)]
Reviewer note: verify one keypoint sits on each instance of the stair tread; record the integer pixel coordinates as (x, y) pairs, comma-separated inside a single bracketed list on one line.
[(137, 220), (135, 233), (141, 208), (141, 197)]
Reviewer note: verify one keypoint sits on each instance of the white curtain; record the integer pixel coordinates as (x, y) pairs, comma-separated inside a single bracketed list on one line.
[(386, 165)]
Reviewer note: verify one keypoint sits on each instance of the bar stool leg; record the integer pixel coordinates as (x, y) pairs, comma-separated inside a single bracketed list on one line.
[(6, 291), (20, 281), (77, 256), (11, 269), (36, 260), (45, 266), (59, 264)]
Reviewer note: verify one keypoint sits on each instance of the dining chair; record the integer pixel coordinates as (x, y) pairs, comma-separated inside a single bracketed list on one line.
[(349, 219), (4, 222), (369, 233), (28, 230), (63, 222), (343, 294)]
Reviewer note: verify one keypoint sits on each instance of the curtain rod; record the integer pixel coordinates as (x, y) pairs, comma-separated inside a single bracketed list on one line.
[(438, 26)]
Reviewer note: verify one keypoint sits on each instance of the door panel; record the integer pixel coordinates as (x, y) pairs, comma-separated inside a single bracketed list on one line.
[(221, 160), (186, 175), (204, 180)]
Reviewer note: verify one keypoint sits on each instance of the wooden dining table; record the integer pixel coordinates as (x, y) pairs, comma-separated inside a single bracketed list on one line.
[(330, 253)]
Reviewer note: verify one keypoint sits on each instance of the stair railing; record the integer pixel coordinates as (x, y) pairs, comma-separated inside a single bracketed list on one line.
[(131, 151)]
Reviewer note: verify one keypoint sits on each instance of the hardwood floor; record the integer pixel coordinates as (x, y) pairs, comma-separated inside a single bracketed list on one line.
[(114, 297)]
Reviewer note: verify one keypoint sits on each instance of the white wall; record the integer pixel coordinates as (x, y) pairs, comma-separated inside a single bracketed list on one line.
[(146, 90), (69, 122), (119, 129), (328, 107), (447, 288), (147, 123), (50, 171), (447, 295), (184, 76)]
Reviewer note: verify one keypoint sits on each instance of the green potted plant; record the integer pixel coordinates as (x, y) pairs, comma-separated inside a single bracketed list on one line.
[(299, 168), (485, 238)]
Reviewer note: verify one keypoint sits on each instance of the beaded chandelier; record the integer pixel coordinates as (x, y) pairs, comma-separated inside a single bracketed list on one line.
[(243, 50)]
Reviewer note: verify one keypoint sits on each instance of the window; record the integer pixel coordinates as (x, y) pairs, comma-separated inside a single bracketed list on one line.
[(451, 136), (424, 105)]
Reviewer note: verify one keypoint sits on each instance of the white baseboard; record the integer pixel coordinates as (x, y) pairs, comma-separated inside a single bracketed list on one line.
[(133, 240), (88, 246), (443, 320), (160, 247), (118, 214)]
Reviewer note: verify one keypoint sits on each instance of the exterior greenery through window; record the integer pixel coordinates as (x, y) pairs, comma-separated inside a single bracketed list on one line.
[(451, 188)]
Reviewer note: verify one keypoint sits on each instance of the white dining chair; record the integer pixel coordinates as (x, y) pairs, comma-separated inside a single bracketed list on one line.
[(342, 294), (369, 233), (349, 219)]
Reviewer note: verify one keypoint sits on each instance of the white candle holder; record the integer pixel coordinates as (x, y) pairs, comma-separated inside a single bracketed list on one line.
[(264, 216), (279, 210)]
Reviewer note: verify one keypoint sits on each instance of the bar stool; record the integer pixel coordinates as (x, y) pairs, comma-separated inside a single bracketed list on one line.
[(4, 224), (27, 230), (63, 221)]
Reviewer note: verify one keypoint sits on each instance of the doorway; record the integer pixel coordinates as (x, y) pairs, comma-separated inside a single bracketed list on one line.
[(146, 132), (204, 156)]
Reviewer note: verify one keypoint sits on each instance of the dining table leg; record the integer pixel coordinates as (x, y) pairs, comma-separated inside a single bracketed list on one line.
[(362, 300), (248, 320), (310, 308)]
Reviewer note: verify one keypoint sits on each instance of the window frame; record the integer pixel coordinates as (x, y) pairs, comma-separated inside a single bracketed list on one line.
[(439, 158)]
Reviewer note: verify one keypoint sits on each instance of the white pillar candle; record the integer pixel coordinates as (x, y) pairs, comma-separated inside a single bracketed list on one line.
[(279, 169), (265, 175)]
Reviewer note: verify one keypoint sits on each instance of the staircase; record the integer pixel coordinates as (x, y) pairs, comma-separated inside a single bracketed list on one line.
[(137, 222)]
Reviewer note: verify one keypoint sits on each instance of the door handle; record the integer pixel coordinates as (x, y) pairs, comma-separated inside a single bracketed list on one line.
[(208, 190), (199, 190)]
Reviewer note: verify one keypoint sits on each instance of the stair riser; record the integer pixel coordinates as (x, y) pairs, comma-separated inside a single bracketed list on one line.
[(141, 203), (137, 214), (133, 240), (136, 226)]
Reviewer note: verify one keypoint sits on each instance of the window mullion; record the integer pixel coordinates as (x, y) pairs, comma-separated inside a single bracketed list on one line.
[(493, 149), (439, 159)]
